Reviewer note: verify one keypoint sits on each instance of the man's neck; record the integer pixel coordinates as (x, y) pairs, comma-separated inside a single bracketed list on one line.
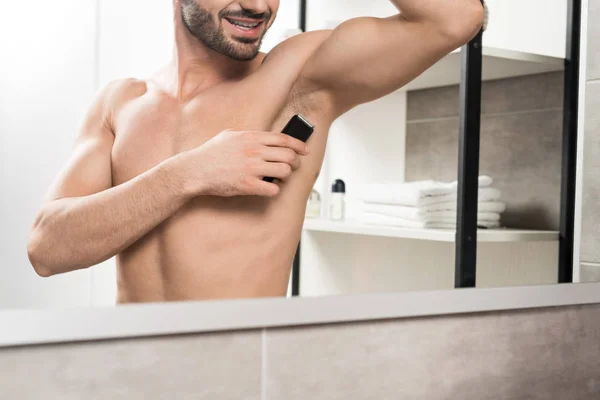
[(195, 67)]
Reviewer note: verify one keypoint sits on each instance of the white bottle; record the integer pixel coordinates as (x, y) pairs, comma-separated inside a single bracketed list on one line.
[(337, 205), (313, 207)]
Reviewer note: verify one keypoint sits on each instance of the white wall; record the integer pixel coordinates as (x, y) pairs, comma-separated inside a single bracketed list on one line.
[(580, 141), (366, 145), (136, 38), (288, 18), (46, 82), (531, 26), (326, 14)]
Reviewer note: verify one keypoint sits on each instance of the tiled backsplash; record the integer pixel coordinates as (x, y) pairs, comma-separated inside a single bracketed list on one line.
[(531, 354), (521, 141), (219, 366)]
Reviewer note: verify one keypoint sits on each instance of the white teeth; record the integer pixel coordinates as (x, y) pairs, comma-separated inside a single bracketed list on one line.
[(244, 25)]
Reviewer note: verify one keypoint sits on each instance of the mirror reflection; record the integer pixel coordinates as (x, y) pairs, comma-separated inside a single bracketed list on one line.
[(209, 149)]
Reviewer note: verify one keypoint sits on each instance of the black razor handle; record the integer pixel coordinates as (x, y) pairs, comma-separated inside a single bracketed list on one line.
[(299, 128)]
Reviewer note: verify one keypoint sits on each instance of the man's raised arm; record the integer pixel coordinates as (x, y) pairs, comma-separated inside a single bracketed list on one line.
[(366, 58)]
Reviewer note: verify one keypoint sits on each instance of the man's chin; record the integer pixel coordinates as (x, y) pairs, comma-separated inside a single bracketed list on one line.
[(243, 56), (244, 51), (246, 58)]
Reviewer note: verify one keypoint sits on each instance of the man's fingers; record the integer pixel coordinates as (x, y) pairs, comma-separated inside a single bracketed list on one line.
[(267, 189), (283, 140), (280, 171), (282, 155)]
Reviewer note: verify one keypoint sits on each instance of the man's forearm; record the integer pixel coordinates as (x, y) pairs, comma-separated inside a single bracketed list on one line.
[(76, 233)]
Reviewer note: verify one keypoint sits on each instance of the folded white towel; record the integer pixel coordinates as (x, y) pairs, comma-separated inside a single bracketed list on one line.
[(393, 210), (436, 188), (383, 220), (482, 206), (415, 193), (421, 214), (442, 226), (406, 193), (484, 195), (452, 215), (414, 198)]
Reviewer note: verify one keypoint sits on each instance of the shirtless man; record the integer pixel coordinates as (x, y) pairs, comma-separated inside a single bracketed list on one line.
[(166, 174)]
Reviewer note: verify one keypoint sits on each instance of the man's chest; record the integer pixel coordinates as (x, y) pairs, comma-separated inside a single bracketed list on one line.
[(153, 127)]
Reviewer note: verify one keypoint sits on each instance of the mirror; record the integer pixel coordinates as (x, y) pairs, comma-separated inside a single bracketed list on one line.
[(103, 150)]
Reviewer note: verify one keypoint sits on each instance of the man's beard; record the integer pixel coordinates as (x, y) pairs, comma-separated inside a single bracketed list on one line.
[(201, 25)]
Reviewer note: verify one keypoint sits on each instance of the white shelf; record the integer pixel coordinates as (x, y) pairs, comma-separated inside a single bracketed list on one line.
[(497, 64), (438, 235)]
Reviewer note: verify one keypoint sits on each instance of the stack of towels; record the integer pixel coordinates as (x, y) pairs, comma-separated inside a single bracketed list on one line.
[(426, 204)]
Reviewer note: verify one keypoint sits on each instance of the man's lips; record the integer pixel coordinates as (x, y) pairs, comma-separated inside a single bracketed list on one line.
[(247, 20), (252, 32)]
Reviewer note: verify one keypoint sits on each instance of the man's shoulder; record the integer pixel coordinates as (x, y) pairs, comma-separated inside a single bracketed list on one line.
[(122, 90), (115, 94), (310, 37), (300, 46)]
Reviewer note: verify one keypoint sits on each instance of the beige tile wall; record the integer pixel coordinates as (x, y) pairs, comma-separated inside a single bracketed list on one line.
[(218, 366), (543, 354), (521, 142)]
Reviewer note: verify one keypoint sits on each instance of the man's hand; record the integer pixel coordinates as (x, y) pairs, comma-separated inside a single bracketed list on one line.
[(234, 163), (366, 58)]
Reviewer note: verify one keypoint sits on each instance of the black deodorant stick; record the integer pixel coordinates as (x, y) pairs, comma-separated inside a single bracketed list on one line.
[(298, 127)]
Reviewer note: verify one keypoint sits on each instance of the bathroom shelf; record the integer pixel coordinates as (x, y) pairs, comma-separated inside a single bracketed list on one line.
[(437, 235), (468, 66), (497, 64)]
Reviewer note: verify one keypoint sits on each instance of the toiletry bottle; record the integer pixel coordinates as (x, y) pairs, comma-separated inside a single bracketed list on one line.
[(313, 207), (336, 208)]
